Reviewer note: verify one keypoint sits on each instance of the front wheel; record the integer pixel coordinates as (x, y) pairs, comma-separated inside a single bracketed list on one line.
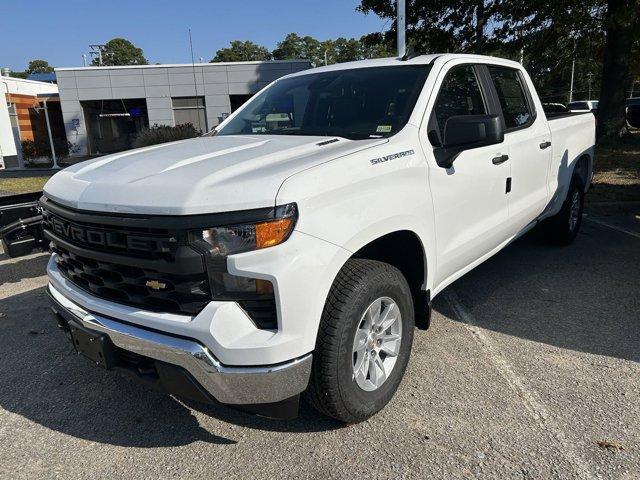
[(563, 227), (364, 341)]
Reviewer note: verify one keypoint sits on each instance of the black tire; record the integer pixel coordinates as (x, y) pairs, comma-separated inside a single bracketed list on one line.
[(332, 388), (558, 229)]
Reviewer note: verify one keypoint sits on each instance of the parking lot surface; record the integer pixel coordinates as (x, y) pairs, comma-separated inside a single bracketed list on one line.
[(530, 370)]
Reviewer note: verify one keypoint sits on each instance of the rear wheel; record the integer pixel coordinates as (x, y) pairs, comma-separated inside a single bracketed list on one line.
[(364, 341), (563, 227)]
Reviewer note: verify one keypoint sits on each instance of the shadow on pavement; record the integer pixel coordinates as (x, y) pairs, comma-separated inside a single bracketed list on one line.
[(308, 419), (45, 381), (21, 269), (582, 297)]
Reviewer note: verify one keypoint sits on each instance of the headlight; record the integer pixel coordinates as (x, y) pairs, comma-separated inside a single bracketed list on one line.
[(232, 239)]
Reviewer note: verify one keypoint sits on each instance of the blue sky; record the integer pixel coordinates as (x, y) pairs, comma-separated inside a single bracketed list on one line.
[(60, 32)]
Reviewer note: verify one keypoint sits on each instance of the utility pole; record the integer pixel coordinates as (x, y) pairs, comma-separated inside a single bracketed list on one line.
[(401, 27), (96, 50), (589, 79), (522, 56), (573, 71)]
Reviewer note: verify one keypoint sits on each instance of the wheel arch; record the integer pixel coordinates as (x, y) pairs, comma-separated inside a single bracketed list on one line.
[(583, 169), (404, 250)]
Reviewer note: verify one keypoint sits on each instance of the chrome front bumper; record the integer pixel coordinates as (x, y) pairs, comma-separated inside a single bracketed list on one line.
[(230, 385)]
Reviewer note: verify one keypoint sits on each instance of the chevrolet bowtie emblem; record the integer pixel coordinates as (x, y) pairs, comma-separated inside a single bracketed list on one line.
[(156, 285)]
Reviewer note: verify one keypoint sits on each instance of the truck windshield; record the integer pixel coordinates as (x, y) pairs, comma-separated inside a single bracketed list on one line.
[(358, 103)]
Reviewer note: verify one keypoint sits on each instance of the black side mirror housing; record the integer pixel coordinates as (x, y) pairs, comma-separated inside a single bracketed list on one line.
[(465, 132)]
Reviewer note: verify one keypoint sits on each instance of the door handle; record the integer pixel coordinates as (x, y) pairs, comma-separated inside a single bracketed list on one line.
[(500, 159), (544, 145)]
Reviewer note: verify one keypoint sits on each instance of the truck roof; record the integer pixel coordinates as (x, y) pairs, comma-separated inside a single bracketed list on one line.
[(419, 60)]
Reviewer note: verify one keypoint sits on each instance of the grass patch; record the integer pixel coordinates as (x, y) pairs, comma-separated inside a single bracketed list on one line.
[(9, 186)]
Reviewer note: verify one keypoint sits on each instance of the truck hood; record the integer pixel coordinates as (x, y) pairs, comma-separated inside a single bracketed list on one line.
[(200, 175)]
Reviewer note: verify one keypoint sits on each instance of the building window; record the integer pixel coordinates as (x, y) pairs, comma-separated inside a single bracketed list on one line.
[(190, 110), (112, 125), (238, 100)]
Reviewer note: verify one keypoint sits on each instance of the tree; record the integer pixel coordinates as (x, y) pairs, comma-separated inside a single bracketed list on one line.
[(599, 34), (347, 50), (119, 51), (622, 27), (39, 66), (296, 47), (240, 51), (376, 45), (18, 74), (439, 25), (333, 51)]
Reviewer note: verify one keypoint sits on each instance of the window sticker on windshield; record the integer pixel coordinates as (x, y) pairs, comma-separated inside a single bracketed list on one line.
[(383, 129)]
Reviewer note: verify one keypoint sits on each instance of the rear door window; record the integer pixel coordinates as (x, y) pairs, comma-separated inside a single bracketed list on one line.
[(579, 106), (511, 90)]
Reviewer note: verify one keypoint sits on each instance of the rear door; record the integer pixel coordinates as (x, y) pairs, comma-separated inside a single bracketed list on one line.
[(529, 139), (470, 204)]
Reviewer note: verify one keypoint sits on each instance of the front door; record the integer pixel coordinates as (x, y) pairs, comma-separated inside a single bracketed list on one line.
[(470, 202)]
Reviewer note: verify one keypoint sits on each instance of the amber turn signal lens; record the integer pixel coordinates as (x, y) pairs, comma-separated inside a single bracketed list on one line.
[(272, 233), (264, 287)]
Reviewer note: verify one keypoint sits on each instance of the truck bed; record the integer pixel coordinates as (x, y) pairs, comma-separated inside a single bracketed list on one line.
[(558, 115), (572, 137)]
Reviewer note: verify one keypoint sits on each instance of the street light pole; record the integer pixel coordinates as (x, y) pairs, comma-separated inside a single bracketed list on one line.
[(573, 70), (53, 150), (401, 27)]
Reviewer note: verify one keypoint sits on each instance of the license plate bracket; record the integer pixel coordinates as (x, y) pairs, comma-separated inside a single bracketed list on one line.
[(94, 346)]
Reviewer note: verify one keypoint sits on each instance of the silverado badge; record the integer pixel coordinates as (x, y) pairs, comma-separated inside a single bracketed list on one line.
[(156, 285)]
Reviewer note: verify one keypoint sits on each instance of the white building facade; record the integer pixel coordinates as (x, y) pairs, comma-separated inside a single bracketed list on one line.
[(21, 117), (103, 108)]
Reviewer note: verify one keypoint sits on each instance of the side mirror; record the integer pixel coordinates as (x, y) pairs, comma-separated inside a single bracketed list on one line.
[(465, 132)]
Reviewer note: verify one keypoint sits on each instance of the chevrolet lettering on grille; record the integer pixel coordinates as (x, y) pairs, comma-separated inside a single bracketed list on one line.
[(105, 238)]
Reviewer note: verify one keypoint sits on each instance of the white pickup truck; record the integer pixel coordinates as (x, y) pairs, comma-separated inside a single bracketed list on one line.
[(294, 248)]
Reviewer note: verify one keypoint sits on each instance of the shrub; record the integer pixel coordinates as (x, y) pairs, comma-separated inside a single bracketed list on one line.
[(28, 149), (164, 133), (42, 148)]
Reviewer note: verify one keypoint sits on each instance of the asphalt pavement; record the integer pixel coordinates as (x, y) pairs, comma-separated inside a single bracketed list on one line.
[(529, 371)]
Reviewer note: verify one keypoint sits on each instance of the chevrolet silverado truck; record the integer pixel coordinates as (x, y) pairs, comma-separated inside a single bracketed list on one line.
[(293, 249)]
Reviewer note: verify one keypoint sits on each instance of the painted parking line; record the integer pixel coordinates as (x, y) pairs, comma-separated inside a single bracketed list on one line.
[(611, 226), (530, 399)]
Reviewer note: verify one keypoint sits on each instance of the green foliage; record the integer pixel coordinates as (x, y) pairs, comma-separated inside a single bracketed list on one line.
[(240, 51), (19, 74), (296, 47), (39, 66), (164, 133), (119, 51), (376, 45), (28, 149), (334, 51), (548, 36), (33, 150)]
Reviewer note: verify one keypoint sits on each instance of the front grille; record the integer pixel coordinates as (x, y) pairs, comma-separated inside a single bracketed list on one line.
[(153, 243), (183, 294), (156, 263)]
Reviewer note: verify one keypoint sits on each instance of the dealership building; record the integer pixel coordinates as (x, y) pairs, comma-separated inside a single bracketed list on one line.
[(103, 108), (30, 114)]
